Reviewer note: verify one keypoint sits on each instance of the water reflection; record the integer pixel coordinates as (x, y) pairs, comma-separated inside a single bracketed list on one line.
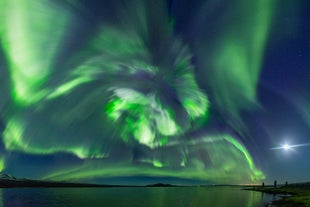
[(1, 199), (132, 197)]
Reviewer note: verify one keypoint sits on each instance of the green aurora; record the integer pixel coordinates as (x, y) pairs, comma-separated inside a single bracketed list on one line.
[(131, 85)]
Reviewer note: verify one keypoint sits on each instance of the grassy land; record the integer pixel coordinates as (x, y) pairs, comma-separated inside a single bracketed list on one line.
[(300, 195)]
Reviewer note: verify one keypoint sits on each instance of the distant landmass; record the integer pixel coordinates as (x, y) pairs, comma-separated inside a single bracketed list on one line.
[(161, 185), (8, 181)]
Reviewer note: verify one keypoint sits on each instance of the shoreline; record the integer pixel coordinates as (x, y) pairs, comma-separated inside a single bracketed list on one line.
[(291, 195)]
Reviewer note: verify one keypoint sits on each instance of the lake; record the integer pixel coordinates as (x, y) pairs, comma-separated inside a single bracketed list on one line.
[(133, 197)]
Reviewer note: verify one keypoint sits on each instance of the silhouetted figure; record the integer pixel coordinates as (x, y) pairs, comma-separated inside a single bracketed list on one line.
[(286, 184), (275, 184), (263, 184)]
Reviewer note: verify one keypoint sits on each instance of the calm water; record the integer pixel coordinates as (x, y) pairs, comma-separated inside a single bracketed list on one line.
[(132, 197)]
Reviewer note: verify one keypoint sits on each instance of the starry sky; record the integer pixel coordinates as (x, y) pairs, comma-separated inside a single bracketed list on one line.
[(175, 91)]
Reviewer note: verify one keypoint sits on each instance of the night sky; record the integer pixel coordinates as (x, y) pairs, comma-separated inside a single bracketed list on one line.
[(133, 92)]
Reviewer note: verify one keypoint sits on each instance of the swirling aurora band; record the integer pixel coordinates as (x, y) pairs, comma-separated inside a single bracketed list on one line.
[(128, 90), (197, 169)]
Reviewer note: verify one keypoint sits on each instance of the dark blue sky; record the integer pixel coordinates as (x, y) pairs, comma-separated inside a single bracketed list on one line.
[(284, 87)]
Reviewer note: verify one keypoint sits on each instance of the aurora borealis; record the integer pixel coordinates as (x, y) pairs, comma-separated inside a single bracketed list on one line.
[(94, 90)]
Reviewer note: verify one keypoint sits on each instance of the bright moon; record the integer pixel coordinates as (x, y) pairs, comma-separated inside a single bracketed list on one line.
[(286, 147)]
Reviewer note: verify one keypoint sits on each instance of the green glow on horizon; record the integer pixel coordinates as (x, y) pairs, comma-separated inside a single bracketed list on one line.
[(24, 37), (230, 160)]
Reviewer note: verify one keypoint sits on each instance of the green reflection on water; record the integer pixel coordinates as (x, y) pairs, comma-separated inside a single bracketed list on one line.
[(133, 196)]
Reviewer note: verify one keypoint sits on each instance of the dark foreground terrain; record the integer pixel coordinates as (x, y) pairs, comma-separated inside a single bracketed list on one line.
[(294, 195)]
